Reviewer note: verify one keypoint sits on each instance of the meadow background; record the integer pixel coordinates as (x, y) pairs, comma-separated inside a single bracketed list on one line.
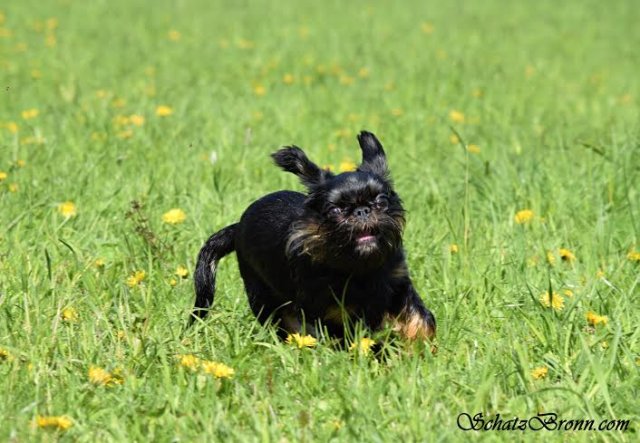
[(486, 109)]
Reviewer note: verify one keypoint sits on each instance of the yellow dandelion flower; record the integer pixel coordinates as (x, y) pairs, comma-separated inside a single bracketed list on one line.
[(182, 272), (363, 346), (174, 35), (68, 209), (346, 80), (600, 273), (568, 293), (594, 319), (121, 335), (259, 90), (554, 301), (3, 176), (99, 263), (633, 256), (28, 114), (5, 355), (174, 216), (456, 116), (218, 370), (20, 163), (13, 187), (473, 149), (100, 377), (363, 72), (454, 139), (301, 341), (163, 111), (70, 315), (288, 79), (245, 44), (539, 372), (427, 27), (136, 278), (61, 423), (566, 255), (189, 361), (347, 166), (524, 216), (551, 259), (12, 127), (52, 23), (453, 248), (173, 282), (136, 119)]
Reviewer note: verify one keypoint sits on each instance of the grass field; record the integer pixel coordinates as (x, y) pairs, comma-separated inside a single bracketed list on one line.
[(486, 109)]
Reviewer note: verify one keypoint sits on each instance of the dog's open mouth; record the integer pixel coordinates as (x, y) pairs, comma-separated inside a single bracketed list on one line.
[(365, 238)]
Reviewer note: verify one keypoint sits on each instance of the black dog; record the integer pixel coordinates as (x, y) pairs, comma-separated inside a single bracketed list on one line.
[(326, 259)]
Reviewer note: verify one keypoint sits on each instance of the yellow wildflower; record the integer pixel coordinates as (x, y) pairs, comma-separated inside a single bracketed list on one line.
[(363, 72), (594, 319), (346, 80), (163, 111), (182, 272), (99, 263), (62, 422), (552, 300), (218, 370), (539, 372), (173, 282), (287, 79), (633, 256), (136, 278), (473, 149), (30, 113), (524, 216), (5, 355), (100, 377), (126, 134), (136, 119), (347, 166), (259, 90), (551, 259), (453, 248), (456, 116), (189, 361), (174, 35), (301, 341), (566, 255), (3, 176), (13, 187), (427, 27), (20, 163), (70, 315), (568, 293), (363, 346), (174, 216), (68, 209), (12, 127), (454, 139)]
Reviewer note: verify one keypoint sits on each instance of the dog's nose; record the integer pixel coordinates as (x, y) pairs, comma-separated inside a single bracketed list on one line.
[(362, 212)]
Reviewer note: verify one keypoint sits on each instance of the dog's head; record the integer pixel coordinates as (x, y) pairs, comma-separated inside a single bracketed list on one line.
[(352, 221)]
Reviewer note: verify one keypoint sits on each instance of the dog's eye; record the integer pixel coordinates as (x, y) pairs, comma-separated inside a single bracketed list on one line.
[(335, 211), (381, 202)]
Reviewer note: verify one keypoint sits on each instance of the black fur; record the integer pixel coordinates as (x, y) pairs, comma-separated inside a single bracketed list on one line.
[(324, 259)]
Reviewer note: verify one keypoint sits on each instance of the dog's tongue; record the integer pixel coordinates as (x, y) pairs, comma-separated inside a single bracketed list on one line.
[(362, 238)]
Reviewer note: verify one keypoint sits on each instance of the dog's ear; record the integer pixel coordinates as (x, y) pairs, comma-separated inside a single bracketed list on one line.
[(293, 159), (373, 158)]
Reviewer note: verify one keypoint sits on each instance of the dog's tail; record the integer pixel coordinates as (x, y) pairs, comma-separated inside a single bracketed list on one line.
[(217, 246)]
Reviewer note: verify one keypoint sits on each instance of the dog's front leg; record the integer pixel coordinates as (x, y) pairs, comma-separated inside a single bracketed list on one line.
[(410, 318)]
